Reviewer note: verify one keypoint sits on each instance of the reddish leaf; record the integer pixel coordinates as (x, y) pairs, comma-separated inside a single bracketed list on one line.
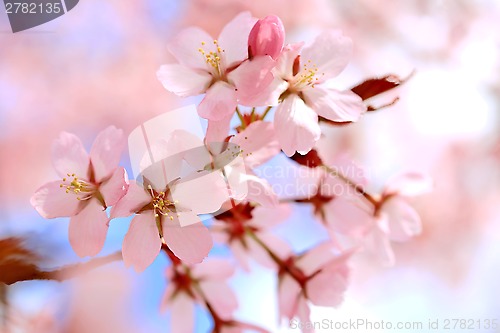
[(377, 86), (371, 88), (311, 159), (335, 123)]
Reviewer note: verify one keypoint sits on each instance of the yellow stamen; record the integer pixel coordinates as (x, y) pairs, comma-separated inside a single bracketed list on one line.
[(82, 188), (213, 59)]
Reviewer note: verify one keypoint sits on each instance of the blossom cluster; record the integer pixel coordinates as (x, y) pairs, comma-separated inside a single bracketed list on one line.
[(249, 67)]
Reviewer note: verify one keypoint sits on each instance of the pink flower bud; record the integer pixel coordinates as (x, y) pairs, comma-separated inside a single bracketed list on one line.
[(267, 37)]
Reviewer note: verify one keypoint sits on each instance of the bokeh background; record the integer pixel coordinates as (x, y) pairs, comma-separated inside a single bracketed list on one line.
[(95, 66)]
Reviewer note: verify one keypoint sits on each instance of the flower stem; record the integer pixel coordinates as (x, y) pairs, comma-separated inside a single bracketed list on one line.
[(219, 323), (252, 115), (266, 111), (242, 120), (356, 187), (284, 266)]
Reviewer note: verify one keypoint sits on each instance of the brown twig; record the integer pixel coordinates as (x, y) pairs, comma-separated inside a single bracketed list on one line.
[(66, 272)]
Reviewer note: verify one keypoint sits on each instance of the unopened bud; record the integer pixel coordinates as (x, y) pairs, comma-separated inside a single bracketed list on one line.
[(266, 37)]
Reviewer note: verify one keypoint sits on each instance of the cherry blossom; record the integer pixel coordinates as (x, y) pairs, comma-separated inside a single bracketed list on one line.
[(376, 222), (168, 213), (217, 67), (301, 84), (395, 219), (89, 184), (319, 276), (203, 284), (338, 201), (245, 227)]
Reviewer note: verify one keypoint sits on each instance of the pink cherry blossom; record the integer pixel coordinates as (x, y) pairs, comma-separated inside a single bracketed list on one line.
[(203, 284), (245, 226), (301, 84), (319, 276), (395, 219), (248, 149), (267, 37), (168, 214), (391, 218), (217, 67), (90, 183), (337, 202)]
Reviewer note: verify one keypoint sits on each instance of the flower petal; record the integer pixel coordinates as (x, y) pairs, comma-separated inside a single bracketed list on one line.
[(187, 218), (304, 314), (183, 81), (182, 314), (219, 102), (409, 184), (191, 244), (52, 201), (240, 255), (296, 126), (135, 199), (377, 242), (284, 66), (214, 268), (327, 288), (342, 164), (333, 104), (260, 191), (404, 222), (251, 78), (288, 296), (142, 243), (270, 95), (317, 258), (88, 229), (106, 151), (234, 38), (189, 148), (168, 295), (69, 156), (185, 48), (265, 218), (277, 245), (221, 297), (202, 195), (115, 187), (330, 52), (217, 131), (347, 217), (258, 143)]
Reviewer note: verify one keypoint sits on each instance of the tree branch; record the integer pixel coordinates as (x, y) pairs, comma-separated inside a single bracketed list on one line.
[(33, 272)]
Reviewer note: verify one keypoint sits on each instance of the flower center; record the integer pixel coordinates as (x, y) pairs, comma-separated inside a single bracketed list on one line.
[(82, 188), (162, 205), (213, 59), (309, 76)]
